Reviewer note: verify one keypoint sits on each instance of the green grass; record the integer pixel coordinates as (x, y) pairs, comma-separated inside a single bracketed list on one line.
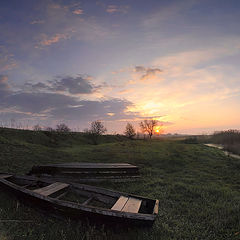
[(198, 187)]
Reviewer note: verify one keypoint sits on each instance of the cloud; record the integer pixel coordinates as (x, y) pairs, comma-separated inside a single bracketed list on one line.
[(192, 58), (4, 82), (47, 41), (78, 85), (4, 86), (169, 12), (35, 87), (72, 85), (47, 102), (77, 11), (65, 22), (37, 22), (115, 9), (139, 69), (7, 61), (147, 73), (59, 107), (108, 110), (37, 102)]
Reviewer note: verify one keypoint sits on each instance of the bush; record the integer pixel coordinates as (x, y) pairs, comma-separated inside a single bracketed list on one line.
[(97, 129), (62, 128), (130, 131)]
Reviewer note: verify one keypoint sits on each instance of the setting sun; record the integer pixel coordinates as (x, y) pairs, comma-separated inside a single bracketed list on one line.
[(158, 130)]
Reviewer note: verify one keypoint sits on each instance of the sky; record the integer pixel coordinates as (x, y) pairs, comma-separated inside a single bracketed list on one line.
[(119, 61)]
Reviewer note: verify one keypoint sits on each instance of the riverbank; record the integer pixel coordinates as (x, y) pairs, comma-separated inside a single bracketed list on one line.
[(221, 147)]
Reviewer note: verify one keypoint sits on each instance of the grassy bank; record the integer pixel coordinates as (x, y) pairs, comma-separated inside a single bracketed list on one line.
[(198, 187)]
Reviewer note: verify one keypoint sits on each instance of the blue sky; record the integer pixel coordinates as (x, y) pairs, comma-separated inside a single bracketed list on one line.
[(121, 61)]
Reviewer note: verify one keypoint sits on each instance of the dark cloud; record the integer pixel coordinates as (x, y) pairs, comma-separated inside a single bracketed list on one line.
[(91, 110), (37, 102), (147, 73), (140, 69), (57, 106), (78, 85), (48, 102), (73, 85), (35, 87)]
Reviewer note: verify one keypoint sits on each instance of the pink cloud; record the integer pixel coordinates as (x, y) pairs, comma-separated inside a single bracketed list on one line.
[(115, 9), (55, 6), (54, 39), (4, 82), (78, 11), (7, 67), (7, 62)]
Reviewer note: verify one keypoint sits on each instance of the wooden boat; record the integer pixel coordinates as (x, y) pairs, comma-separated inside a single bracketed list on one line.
[(87, 172), (79, 200)]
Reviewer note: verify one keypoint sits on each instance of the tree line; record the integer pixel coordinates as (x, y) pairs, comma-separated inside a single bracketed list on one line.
[(97, 129)]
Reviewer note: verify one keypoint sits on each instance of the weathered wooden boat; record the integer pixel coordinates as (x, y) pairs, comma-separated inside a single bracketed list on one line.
[(77, 201), (87, 172)]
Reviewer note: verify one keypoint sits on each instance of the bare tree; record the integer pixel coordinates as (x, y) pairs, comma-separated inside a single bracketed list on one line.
[(130, 131), (62, 127), (148, 126), (37, 128), (96, 130)]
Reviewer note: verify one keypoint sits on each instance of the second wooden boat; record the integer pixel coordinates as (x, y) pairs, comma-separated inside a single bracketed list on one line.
[(87, 172)]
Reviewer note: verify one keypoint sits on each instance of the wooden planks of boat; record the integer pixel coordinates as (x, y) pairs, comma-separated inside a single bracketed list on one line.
[(79, 201)]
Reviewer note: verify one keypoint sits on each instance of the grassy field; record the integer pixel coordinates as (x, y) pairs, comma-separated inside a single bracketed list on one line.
[(198, 187)]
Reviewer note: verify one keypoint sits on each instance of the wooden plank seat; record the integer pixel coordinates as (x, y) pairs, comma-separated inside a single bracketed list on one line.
[(50, 189), (119, 204), (125, 204)]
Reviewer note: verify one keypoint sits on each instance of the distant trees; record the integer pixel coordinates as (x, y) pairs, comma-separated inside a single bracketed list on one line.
[(148, 126), (62, 127), (37, 128), (49, 129), (96, 130), (130, 131), (228, 137), (230, 140)]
